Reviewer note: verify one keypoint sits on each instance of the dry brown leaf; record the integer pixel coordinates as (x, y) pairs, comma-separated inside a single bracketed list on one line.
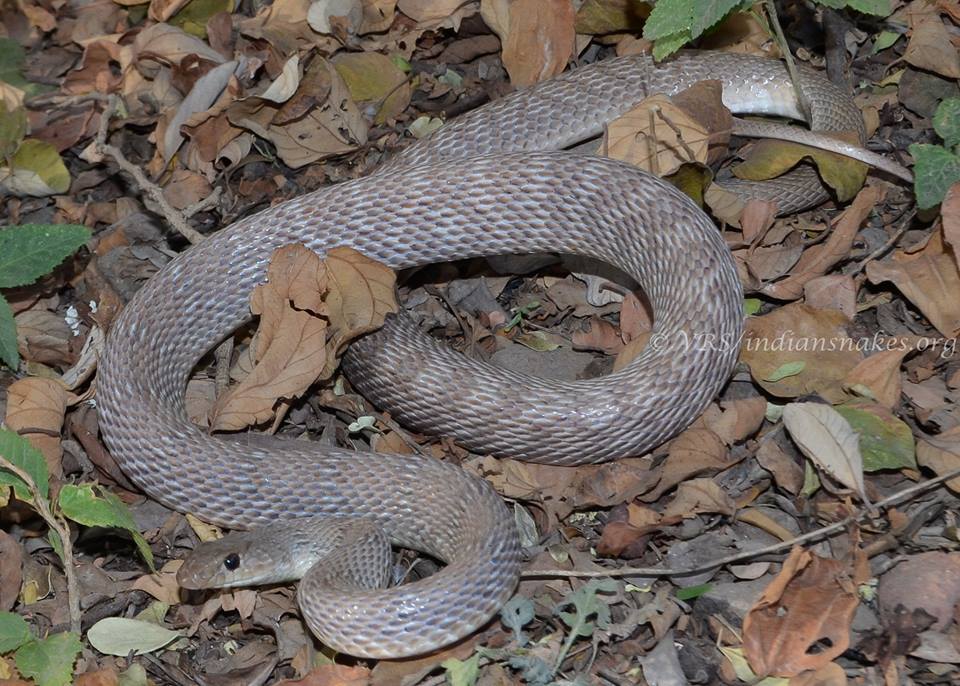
[(699, 495), (428, 10), (291, 340), (828, 440), (740, 418), (161, 10), (796, 350), (757, 218), (332, 675), (930, 48), (162, 585), (810, 603), (162, 44), (35, 410), (97, 72), (11, 575), (830, 674), (786, 472), (756, 517), (880, 375), (661, 133), (537, 36), (818, 259), (941, 454), (950, 216), (832, 292), (929, 278), (600, 335), (769, 262), (44, 337), (362, 294), (696, 451)]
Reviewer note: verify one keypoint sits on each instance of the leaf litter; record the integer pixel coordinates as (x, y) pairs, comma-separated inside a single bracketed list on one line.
[(848, 398)]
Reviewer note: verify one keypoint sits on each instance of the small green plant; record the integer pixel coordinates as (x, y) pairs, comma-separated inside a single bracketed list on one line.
[(938, 166), (28, 252), (49, 661)]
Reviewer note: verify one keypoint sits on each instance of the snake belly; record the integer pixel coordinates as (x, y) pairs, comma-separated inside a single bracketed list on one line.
[(482, 185)]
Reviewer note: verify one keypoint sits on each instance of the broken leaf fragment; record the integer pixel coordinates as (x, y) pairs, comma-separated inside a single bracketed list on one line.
[(35, 169)]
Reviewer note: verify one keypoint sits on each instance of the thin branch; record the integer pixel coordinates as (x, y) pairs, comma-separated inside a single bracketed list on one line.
[(788, 58), (62, 529), (173, 216), (750, 554)]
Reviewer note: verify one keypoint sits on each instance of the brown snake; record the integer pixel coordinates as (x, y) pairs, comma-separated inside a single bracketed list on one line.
[(476, 187)]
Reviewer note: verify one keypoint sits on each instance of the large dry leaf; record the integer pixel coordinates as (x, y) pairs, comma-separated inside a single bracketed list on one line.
[(941, 454), (950, 216), (35, 410), (696, 451), (929, 278), (828, 440), (661, 133), (362, 294), (931, 49), (797, 349), (291, 340), (697, 496), (802, 620), (818, 259), (537, 36), (878, 376), (786, 472), (428, 10), (204, 93)]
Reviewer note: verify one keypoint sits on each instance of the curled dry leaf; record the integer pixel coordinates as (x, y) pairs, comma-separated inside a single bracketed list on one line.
[(786, 472), (929, 278), (802, 620), (35, 410), (309, 309), (699, 495), (827, 440), (930, 48), (878, 377)]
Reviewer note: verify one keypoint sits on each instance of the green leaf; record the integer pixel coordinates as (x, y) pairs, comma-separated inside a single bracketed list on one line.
[(120, 636), (785, 370), (8, 336), (751, 306), (29, 251), (886, 442), (709, 13), (462, 672), (668, 45), (193, 16), (946, 121), (37, 170), (587, 603), (936, 169), (13, 127), (884, 40), (11, 63), (21, 453), (14, 632), (84, 506), (691, 592), (669, 17), (49, 661)]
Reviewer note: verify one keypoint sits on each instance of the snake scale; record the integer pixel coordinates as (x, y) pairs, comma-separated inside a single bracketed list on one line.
[(485, 184)]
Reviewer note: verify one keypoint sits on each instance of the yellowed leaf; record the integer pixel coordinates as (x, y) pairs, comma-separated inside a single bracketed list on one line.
[(768, 159), (374, 78), (929, 278), (611, 16)]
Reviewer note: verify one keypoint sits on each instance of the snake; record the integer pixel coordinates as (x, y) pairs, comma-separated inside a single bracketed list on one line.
[(499, 180)]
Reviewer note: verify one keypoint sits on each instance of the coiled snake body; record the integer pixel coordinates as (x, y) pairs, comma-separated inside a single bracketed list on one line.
[(474, 188)]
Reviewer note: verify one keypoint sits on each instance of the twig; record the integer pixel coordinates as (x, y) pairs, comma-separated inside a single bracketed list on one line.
[(788, 58), (62, 530), (747, 555), (170, 213), (676, 130), (892, 241)]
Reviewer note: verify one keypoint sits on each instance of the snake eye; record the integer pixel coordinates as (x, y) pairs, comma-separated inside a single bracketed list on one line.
[(231, 561)]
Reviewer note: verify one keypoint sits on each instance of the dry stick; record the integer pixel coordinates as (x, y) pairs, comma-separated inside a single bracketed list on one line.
[(63, 531), (171, 214), (739, 557), (788, 58)]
